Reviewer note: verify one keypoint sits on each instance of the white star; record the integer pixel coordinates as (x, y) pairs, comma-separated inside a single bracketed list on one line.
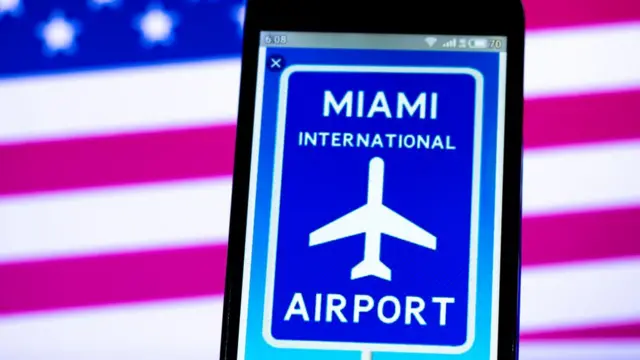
[(156, 26), (59, 34), (13, 7), (99, 4), (239, 18)]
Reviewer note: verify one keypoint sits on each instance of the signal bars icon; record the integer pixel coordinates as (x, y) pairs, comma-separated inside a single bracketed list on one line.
[(450, 44)]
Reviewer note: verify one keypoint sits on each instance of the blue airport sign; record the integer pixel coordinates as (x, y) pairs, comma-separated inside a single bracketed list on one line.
[(374, 214)]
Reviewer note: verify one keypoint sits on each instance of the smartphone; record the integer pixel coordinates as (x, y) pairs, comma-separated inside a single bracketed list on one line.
[(376, 202)]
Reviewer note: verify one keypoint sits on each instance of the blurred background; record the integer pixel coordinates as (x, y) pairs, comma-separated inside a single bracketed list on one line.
[(117, 125)]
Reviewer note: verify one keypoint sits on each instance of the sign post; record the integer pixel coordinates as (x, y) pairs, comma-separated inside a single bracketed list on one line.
[(374, 213)]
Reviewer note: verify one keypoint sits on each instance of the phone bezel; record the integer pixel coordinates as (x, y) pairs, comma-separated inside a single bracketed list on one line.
[(451, 17)]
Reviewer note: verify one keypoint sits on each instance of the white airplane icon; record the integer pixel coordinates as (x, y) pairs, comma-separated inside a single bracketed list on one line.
[(373, 219)]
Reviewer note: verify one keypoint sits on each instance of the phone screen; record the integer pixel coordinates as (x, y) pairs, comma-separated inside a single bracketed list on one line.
[(373, 224)]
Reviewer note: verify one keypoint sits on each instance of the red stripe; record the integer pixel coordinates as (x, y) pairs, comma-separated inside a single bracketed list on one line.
[(582, 119), (207, 152), (113, 278), (577, 237), (115, 160), (555, 13), (197, 271), (628, 331)]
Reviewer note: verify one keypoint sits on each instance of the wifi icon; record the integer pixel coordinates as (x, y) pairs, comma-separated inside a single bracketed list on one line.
[(430, 41)]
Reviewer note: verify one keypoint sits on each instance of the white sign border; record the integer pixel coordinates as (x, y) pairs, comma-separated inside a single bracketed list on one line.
[(275, 206)]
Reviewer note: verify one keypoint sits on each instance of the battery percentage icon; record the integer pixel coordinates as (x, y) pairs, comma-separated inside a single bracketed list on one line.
[(478, 43)]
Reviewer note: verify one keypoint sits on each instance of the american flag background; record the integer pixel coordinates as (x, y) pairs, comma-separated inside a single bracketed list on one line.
[(117, 125)]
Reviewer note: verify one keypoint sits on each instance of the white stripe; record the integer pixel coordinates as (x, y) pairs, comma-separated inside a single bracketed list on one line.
[(124, 219), (181, 213), (582, 60), (581, 177), (581, 350), (558, 62), (161, 331), (191, 330), (134, 99), (580, 295)]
